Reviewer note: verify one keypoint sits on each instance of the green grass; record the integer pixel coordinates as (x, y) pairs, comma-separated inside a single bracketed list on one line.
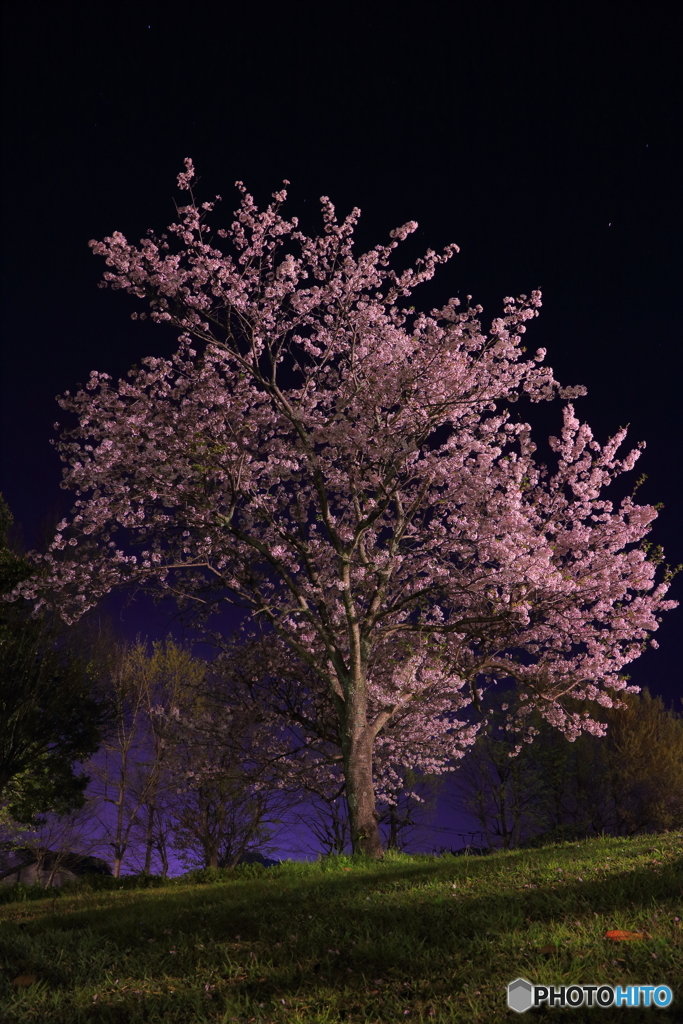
[(408, 939)]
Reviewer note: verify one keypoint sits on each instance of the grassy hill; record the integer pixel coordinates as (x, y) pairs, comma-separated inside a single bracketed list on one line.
[(408, 939)]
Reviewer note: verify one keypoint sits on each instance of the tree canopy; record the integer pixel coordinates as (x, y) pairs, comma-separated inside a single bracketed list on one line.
[(355, 475)]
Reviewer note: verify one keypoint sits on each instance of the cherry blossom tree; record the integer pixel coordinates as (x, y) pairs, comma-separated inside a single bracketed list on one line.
[(295, 743), (354, 475)]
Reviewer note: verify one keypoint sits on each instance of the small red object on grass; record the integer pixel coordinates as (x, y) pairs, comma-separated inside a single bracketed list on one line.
[(620, 936), (24, 980)]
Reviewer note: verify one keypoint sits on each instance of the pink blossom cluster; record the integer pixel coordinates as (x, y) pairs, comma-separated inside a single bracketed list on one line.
[(349, 471)]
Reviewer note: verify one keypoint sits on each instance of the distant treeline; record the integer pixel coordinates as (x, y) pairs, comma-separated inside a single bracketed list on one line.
[(628, 781)]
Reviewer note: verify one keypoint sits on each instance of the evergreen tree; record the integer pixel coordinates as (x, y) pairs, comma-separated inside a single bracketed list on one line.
[(51, 718)]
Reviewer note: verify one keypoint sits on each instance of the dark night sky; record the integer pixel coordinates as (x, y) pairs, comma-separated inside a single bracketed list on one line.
[(547, 144)]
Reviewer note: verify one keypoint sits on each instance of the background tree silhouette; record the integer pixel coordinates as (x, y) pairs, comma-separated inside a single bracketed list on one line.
[(52, 712), (629, 781)]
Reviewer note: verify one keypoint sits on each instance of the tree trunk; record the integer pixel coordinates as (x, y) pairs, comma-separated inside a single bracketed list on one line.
[(516, 811), (393, 828), (161, 847), (504, 831), (51, 878), (118, 844), (118, 857), (360, 791), (212, 836), (164, 859), (149, 840)]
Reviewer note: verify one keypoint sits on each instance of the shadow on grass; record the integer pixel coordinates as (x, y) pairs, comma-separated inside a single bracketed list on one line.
[(328, 932)]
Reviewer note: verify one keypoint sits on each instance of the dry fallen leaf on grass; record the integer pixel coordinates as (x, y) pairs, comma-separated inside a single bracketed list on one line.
[(24, 980), (620, 936), (549, 948)]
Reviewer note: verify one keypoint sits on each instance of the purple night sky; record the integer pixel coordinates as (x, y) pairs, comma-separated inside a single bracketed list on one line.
[(549, 150)]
